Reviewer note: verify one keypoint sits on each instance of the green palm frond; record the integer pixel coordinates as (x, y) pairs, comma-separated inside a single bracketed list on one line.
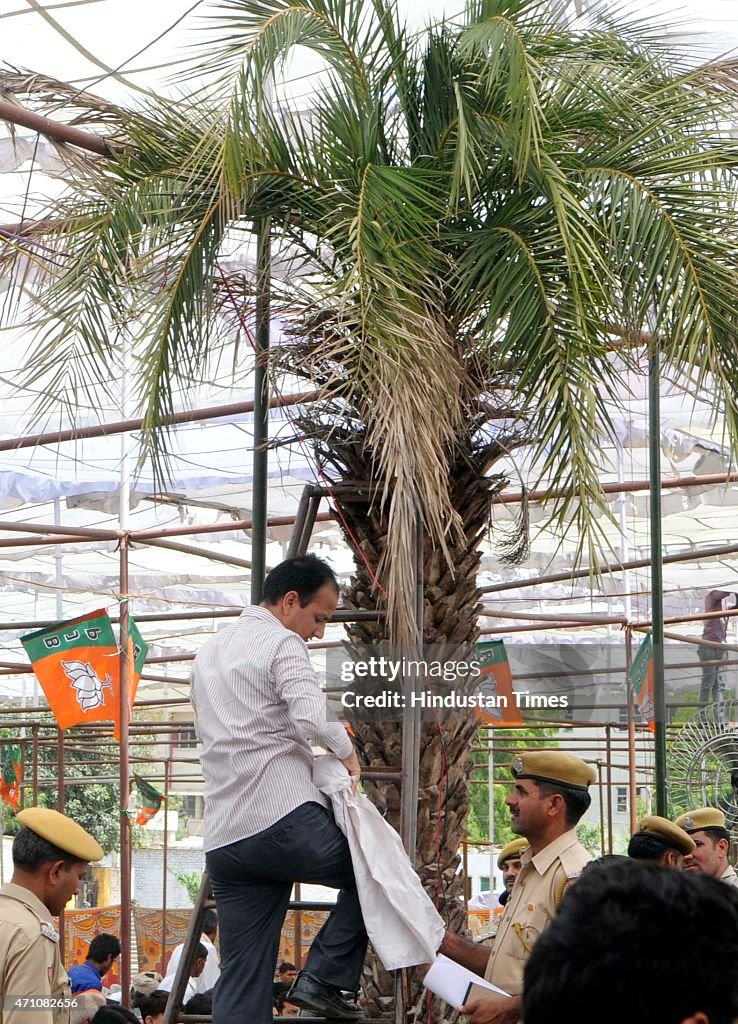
[(476, 208)]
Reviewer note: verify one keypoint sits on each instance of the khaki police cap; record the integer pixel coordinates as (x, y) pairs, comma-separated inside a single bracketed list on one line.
[(61, 831), (667, 832), (553, 766), (703, 817), (512, 849)]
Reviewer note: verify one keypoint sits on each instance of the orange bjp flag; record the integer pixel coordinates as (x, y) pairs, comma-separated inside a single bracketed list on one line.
[(641, 679), (496, 686), (77, 663), (11, 775)]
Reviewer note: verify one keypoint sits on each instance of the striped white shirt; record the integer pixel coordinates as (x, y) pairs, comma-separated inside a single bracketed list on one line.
[(257, 704)]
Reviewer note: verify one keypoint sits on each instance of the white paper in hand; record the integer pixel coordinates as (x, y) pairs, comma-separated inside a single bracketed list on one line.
[(452, 982)]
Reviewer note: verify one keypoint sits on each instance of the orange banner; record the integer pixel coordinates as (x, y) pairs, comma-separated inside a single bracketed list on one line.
[(81, 927)]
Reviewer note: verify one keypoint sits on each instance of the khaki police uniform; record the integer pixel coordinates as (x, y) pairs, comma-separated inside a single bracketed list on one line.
[(534, 901), (34, 987), (31, 969), (730, 877)]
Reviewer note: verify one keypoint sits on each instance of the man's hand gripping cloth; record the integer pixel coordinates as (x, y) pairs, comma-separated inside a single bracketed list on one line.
[(403, 925)]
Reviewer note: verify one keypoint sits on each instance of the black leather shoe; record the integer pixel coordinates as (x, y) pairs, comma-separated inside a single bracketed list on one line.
[(323, 1000)]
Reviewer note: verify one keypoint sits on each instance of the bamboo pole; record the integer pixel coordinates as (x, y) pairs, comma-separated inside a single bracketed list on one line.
[(165, 865), (64, 133), (261, 410), (128, 425)]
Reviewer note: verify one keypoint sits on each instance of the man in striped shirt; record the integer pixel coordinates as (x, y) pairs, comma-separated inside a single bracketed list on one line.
[(257, 707)]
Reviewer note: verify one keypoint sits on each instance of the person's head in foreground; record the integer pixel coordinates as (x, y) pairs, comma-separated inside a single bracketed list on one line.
[(152, 1007), (637, 944), (201, 1003)]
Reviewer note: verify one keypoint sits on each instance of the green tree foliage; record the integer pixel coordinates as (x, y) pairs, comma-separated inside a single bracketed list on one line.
[(93, 804), (590, 838), (190, 880)]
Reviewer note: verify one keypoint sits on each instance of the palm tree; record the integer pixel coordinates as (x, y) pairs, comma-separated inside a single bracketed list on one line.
[(473, 222)]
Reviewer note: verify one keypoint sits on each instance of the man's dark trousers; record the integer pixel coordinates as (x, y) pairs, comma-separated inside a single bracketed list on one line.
[(252, 881)]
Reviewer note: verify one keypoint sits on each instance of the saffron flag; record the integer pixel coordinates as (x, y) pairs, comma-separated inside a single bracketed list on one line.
[(150, 797), (12, 775), (77, 663), (641, 679), (496, 685)]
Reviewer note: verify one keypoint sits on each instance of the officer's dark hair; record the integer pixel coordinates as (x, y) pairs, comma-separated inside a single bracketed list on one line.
[(209, 923), (305, 574), (202, 952), (577, 801), (716, 834), (30, 851), (156, 1002), (646, 846), (285, 966), (635, 942), (103, 946)]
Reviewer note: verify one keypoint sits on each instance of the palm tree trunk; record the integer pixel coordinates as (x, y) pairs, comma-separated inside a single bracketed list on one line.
[(450, 609)]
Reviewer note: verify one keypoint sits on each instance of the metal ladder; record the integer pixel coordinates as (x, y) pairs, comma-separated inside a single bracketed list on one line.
[(205, 902)]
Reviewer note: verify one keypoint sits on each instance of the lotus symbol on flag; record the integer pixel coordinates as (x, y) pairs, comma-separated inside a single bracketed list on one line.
[(488, 690), (647, 707), (85, 681)]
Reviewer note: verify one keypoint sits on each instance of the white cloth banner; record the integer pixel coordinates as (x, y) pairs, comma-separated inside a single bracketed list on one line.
[(403, 925)]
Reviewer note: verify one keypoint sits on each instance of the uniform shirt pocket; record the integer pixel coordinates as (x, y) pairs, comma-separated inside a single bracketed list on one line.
[(526, 932)]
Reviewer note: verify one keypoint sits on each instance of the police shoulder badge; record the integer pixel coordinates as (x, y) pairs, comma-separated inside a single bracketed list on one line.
[(49, 931)]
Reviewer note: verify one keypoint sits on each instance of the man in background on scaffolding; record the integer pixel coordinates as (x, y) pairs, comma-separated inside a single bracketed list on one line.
[(257, 705), (551, 794), (715, 630)]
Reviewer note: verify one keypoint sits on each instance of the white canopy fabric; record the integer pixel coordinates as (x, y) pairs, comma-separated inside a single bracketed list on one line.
[(77, 483)]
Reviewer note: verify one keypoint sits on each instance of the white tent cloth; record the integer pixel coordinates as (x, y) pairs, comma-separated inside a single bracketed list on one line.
[(403, 925)]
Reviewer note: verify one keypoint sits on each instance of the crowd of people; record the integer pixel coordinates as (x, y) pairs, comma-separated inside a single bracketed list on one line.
[(577, 941)]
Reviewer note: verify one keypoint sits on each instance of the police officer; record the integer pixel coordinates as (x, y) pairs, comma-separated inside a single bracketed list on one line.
[(551, 794), (707, 828), (509, 864), (50, 855), (659, 840)]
